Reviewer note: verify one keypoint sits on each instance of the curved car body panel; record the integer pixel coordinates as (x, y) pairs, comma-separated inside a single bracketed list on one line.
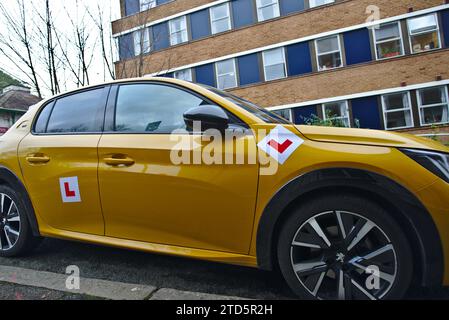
[(369, 137)]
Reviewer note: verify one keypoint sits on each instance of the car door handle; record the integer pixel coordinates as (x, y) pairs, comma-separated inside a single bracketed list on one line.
[(38, 159), (119, 160)]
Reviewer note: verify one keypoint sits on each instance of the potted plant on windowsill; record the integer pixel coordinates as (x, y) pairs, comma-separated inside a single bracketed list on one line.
[(390, 52)]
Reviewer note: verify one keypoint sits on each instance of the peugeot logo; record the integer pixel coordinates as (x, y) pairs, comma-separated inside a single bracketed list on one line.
[(340, 257)]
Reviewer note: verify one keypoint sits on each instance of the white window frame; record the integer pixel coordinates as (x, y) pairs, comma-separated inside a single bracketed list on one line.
[(140, 41), (182, 31), (385, 111), (189, 70), (147, 4), (390, 40), (312, 3), (420, 33), (265, 65), (318, 55), (228, 18), (323, 107), (217, 75), (274, 3), (421, 106)]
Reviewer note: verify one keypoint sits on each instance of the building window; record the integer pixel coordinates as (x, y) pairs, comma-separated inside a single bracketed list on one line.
[(220, 18), (337, 112), (388, 41), (185, 75), (433, 105), (147, 4), (267, 9), (316, 3), (328, 53), (274, 64), (424, 33), (397, 110), (226, 75), (178, 30), (142, 43)]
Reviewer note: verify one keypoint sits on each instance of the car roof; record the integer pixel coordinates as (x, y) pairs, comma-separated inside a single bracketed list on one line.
[(183, 83), (249, 118)]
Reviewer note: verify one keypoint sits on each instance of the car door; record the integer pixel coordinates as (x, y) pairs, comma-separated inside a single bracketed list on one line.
[(148, 197), (59, 162)]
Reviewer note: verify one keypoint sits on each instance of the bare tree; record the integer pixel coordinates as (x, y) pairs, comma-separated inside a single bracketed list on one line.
[(77, 47), (50, 48), (65, 59), (16, 44), (44, 28), (65, 55), (107, 54), (139, 47), (56, 45), (81, 44)]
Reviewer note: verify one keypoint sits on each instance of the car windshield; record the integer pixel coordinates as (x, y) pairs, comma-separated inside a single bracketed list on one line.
[(261, 113)]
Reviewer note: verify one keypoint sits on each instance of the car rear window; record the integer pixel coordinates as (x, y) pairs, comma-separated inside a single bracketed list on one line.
[(78, 113)]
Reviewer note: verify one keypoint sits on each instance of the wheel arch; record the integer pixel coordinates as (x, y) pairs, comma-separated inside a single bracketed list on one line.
[(7, 177), (408, 211)]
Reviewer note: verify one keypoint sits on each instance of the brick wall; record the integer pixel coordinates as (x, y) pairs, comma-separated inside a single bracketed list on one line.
[(344, 14), (156, 13), (376, 75), (432, 130)]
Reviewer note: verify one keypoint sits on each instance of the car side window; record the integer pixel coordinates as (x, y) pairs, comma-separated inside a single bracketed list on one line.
[(81, 112), (42, 120), (153, 108)]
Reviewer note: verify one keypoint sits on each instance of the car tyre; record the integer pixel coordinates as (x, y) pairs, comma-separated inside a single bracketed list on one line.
[(16, 237), (344, 246)]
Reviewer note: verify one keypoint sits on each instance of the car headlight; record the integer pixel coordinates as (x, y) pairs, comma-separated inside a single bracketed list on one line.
[(435, 162)]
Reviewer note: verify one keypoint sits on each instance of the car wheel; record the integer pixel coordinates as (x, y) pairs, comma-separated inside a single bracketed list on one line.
[(16, 237), (344, 247)]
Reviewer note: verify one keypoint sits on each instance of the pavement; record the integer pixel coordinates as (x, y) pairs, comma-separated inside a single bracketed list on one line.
[(111, 273), (17, 292)]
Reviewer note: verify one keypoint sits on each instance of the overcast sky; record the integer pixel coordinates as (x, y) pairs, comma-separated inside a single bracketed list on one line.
[(77, 9)]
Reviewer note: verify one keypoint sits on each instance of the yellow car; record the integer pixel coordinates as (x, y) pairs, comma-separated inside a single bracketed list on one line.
[(342, 213)]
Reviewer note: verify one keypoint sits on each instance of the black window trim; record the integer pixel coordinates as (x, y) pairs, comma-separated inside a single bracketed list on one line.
[(109, 125), (105, 97), (51, 105)]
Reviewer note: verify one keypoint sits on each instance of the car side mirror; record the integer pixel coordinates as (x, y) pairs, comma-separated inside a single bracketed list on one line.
[(210, 116)]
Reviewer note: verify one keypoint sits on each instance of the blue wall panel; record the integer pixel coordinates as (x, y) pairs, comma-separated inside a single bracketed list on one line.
[(303, 112), (160, 36), (200, 24), (205, 74), (243, 13), (366, 110), (357, 46), (249, 69), (299, 60), (445, 27), (132, 7), (290, 6), (159, 2), (126, 46)]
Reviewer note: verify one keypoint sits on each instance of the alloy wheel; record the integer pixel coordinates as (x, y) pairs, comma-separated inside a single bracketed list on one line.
[(9, 223), (342, 255)]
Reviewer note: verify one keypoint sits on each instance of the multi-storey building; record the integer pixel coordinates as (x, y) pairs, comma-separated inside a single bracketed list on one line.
[(377, 64)]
